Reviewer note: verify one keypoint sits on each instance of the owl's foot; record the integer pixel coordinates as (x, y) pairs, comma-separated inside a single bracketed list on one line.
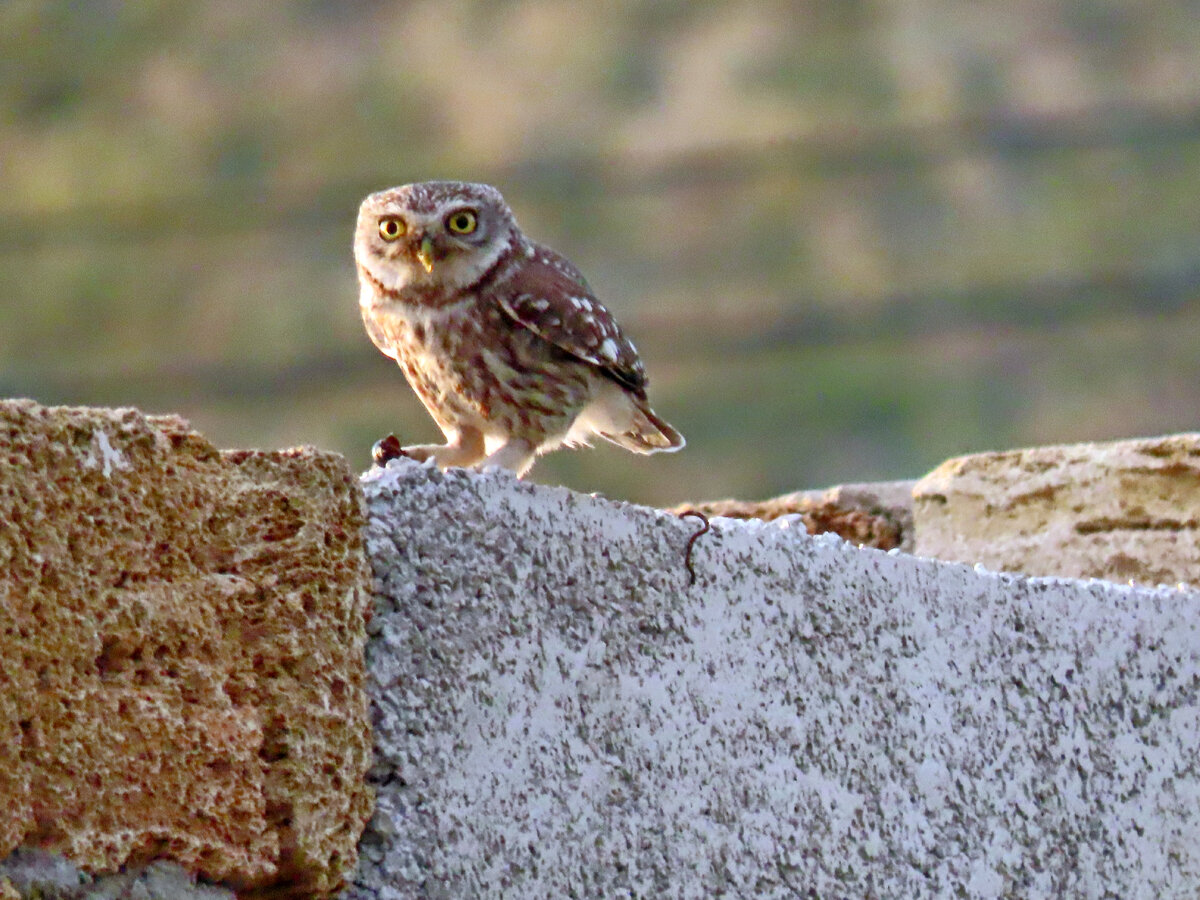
[(466, 449), (385, 450)]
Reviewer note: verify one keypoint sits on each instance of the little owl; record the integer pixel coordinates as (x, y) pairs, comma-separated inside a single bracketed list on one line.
[(499, 336)]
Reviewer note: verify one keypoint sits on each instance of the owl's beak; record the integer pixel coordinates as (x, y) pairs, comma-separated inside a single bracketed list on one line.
[(425, 253)]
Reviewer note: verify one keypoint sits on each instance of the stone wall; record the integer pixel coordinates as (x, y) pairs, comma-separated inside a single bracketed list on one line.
[(181, 638), (559, 709), (559, 713)]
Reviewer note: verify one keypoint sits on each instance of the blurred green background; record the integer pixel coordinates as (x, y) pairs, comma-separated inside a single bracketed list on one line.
[(851, 238)]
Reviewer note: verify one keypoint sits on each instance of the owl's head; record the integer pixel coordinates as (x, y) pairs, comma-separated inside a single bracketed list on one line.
[(434, 233)]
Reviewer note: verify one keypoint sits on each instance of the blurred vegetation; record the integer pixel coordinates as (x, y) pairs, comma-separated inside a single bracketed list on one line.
[(851, 239)]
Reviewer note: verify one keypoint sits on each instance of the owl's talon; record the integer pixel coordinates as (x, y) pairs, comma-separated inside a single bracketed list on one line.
[(385, 450)]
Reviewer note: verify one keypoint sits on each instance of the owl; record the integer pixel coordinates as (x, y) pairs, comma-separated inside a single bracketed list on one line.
[(500, 337)]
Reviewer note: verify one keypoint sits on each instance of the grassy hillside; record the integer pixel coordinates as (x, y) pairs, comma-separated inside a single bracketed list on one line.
[(850, 239)]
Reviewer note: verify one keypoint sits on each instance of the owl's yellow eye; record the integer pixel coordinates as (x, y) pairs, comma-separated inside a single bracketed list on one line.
[(391, 228), (462, 222)]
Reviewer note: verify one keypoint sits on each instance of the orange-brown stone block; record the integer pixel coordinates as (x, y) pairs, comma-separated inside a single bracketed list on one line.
[(181, 636), (874, 515)]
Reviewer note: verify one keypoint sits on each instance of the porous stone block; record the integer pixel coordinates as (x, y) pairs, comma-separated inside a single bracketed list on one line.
[(559, 714), (181, 635), (1126, 510), (873, 514)]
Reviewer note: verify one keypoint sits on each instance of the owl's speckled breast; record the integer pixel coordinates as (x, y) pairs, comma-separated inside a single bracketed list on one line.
[(432, 348), (470, 366)]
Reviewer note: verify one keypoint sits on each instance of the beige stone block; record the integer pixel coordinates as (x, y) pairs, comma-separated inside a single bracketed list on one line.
[(181, 637), (1123, 511)]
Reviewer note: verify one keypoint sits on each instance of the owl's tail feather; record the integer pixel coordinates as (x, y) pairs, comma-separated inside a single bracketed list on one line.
[(648, 433)]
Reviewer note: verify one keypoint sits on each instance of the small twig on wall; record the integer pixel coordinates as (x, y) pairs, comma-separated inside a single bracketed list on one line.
[(687, 553)]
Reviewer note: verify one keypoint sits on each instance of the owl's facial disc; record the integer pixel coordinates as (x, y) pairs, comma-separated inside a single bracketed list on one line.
[(431, 235)]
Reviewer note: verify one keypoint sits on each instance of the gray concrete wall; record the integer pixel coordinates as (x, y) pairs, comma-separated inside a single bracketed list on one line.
[(559, 714)]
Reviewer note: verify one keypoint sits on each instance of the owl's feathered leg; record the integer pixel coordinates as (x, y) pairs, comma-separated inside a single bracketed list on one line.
[(516, 455), (463, 448)]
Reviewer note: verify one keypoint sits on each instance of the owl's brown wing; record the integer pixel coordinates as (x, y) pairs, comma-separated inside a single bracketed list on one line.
[(550, 297)]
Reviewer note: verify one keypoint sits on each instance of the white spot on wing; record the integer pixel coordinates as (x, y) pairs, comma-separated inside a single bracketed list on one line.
[(608, 350)]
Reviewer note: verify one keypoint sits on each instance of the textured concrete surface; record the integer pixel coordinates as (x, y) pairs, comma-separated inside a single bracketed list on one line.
[(560, 715), (181, 635), (1127, 510)]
